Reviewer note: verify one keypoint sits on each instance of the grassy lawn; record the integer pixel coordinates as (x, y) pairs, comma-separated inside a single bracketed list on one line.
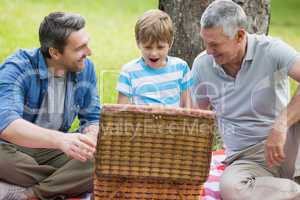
[(285, 21), (285, 24), (111, 25)]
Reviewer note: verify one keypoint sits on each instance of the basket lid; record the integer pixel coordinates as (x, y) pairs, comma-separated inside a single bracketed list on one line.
[(157, 110)]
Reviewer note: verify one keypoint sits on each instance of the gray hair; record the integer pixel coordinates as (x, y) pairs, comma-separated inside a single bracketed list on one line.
[(56, 28), (226, 14)]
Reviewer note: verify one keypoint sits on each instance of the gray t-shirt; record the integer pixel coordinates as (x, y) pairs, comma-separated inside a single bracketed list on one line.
[(52, 108), (246, 105)]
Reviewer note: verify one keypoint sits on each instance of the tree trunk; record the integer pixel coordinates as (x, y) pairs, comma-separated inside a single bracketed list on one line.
[(186, 16)]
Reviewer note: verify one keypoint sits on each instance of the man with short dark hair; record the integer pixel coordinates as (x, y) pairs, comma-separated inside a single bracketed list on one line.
[(41, 92), (244, 78)]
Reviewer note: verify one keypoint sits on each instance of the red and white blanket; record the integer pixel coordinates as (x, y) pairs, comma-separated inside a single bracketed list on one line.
[(211, 189)]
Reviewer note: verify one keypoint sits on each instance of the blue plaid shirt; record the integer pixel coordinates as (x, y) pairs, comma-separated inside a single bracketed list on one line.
[(24, 82)]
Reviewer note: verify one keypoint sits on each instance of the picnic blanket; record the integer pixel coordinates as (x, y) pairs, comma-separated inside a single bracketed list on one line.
[(211, 189)]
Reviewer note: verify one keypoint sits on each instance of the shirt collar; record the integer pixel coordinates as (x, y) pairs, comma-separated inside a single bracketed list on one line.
[(250, 47), (42, 66)]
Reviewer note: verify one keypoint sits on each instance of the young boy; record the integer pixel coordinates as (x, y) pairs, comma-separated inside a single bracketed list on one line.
[(155, 78)]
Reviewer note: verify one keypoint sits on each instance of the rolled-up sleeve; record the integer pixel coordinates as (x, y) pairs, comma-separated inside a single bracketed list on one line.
[(11, 94), (90, 112)]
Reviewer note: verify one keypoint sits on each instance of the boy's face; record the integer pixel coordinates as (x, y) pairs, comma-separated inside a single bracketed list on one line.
[(155, 54)]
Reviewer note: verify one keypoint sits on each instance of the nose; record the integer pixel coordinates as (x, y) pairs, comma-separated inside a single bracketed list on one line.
[(209, 50), (88, 51), (153, 52)]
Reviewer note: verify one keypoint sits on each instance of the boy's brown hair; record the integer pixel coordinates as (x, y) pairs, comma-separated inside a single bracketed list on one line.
[(154, 26)]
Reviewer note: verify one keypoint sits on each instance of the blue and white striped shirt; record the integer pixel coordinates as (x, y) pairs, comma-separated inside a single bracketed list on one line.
[(163, 86)]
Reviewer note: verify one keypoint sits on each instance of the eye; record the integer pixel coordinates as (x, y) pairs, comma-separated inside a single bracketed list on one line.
[(212, 45), (81, 47), (161, 46)]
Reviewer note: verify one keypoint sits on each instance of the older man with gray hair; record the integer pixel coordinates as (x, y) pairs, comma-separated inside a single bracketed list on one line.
[(244, 78)]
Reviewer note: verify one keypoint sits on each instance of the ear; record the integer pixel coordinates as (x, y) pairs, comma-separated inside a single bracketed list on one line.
[(241, 34), (54, 53)]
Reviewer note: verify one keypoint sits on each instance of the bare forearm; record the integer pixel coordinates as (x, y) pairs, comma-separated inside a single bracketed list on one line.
[(185, 99), (122, 99), (26, 134), (290, 115), (293, 114)]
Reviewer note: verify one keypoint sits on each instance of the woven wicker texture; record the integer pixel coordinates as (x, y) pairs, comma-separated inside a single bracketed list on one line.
[(152, 153)]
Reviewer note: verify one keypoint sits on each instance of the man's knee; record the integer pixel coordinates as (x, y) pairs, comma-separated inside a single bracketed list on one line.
[(228, 187), (234, 187), (14, 165), (86, 169), (9, 159)]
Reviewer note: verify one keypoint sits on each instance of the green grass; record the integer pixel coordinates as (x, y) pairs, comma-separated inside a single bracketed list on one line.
[(109, 22), (285, 24)]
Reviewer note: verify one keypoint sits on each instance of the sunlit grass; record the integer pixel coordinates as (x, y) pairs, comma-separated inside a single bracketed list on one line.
[(285, 24), (110, 24)]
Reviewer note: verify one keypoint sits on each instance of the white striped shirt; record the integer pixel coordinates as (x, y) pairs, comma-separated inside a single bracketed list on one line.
[(163, 86)]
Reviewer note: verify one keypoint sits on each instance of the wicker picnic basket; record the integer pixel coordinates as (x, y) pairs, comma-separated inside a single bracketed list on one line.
[(152, 153)]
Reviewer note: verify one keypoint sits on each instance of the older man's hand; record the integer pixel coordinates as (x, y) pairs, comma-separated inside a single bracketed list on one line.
[(274, 147)]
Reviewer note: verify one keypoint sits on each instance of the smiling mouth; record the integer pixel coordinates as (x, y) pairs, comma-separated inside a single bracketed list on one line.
[(153, 59)]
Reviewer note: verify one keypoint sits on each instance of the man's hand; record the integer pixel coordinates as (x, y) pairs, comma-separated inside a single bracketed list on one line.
[(274, 147), (92, 132), (78, 146)]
